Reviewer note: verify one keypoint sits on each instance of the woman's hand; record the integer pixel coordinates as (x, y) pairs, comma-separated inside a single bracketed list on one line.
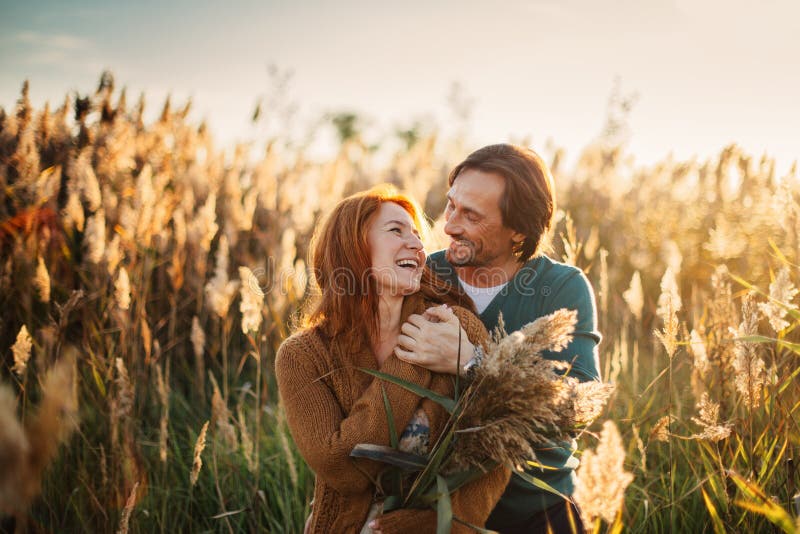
[(375, 526)]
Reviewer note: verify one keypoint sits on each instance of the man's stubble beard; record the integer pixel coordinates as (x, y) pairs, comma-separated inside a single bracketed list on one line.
[(464, 253), (472, 257)]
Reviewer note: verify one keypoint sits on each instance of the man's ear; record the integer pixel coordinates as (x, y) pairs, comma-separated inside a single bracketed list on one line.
[(517, 238)]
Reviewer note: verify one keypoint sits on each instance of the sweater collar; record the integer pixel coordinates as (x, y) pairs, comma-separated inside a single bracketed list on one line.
[(414, 303), (362, 352)]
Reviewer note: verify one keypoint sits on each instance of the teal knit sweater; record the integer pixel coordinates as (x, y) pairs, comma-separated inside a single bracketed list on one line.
[(541, 287)]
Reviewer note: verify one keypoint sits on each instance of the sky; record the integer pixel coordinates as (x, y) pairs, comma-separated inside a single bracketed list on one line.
[(705, 73)]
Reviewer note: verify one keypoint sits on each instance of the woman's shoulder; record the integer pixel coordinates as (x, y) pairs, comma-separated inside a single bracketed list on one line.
[(471, 323), (303, 345), (462, 313)]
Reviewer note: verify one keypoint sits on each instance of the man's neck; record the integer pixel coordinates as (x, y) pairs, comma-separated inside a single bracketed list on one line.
[(489, 275)]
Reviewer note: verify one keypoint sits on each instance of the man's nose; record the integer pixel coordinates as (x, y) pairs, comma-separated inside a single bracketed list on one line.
[(452, 226)]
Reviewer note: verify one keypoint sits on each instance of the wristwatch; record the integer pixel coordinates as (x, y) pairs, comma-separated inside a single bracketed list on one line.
[(474, 362)]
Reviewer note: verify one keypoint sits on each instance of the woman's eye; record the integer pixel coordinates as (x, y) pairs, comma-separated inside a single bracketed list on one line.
[(396, 230)]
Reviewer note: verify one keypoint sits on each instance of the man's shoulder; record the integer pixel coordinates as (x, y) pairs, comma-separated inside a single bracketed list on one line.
[(438, 263), (550, 269), (559, 283), (543, 271), (438, 258)]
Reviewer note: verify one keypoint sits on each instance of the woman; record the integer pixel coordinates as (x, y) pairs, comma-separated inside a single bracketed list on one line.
[(369, 264)]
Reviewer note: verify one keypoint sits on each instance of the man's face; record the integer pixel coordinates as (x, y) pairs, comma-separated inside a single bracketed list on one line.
[(474, 221)]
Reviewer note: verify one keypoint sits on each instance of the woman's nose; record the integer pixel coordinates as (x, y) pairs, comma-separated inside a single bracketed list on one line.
[(415, 242)]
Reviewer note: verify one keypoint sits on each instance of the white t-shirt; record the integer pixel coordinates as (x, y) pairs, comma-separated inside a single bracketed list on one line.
[(481, 296)]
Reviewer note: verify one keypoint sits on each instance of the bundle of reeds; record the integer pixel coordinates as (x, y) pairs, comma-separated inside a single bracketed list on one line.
[(517, 400)]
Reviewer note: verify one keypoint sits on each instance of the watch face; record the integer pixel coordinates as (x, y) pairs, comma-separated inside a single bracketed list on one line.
[(469, 367)]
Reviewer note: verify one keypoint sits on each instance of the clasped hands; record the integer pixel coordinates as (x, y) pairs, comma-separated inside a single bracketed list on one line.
[(431, 340)]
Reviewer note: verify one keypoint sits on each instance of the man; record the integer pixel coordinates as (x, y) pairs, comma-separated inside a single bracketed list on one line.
[(499, 210)]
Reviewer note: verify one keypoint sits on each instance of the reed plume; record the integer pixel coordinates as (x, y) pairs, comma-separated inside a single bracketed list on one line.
[(668, 335), (94, 238), (220, 290), (22, 350), (246, 440), (26, 450), (221, 417), (697, 348), (669, 301), (121, 404), (749, 368), (14, 453), (781, 294), (162, 385), (602, 478), (113, 254), (198, 339), (660, 430), (122, 289), (252, 300), (128, 510), (204, 225), (197, 460), (41, 281), (86, 180), (72, 214), (518, 401), (634, 296), (708, 420)]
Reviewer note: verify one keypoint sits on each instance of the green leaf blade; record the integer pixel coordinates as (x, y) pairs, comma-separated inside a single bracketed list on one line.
[(393, 440), (388, 455), (444, 508), (446, 402)]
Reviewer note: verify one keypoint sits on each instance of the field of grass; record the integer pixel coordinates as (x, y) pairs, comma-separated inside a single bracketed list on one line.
[(121, 333)]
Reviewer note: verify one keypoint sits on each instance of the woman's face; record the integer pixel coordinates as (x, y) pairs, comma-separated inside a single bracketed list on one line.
[(396, 251)]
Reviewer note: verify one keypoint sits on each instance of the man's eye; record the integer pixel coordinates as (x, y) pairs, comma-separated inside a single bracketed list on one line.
[(471, 217)]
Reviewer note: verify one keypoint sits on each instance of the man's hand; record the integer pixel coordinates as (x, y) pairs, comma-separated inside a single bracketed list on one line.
[(430, 340)]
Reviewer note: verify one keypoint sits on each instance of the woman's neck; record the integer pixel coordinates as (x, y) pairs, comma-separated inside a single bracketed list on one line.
[(389, 309)]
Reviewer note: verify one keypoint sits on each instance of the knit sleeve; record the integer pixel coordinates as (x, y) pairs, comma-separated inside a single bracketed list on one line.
[(472, 504), (472, 325), (324, 434)]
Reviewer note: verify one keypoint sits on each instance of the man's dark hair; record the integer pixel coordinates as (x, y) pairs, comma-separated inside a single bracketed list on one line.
[(528, 202)]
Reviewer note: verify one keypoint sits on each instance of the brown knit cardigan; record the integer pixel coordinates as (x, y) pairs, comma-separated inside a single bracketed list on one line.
[(331, 406)]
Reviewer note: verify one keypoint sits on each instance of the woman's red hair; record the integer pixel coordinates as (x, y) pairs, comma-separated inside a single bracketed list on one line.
[(347, 304)]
